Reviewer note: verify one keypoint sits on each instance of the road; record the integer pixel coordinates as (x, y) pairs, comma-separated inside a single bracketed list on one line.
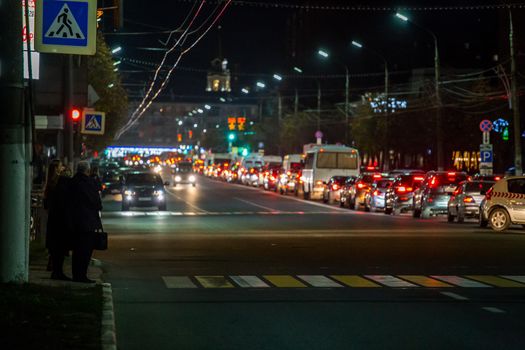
[(233, 267)]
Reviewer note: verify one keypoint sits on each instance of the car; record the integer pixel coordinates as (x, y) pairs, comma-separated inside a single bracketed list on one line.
[(504, 204), (357, 192), (345, 191), (466, 199), (143, 189), (399, 196), (111, 183), (488, 177), (183, 174), (251, 177), (271, 178), (433, 195), (332, 189), (375, 197)]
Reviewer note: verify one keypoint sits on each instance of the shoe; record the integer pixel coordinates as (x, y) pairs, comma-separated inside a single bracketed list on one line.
[(84, 280), (60, 277)]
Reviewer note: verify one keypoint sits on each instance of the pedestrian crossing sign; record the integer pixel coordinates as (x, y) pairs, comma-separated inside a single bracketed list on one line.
[(67, 27), (93, 122)]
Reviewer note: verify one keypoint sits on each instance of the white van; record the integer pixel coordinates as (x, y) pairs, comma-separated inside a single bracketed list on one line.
[(292, 162), (273, 160), (324, 161), (253, 160)]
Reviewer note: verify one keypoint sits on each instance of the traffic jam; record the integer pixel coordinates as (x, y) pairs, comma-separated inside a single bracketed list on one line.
[(334, 175)]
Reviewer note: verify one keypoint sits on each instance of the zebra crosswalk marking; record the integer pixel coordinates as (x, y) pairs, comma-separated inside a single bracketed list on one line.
[(214, 282), (496, 281), (319, 281), (355, 281), (284, 281), (249, 282), (391, 281), (425, 281), (515, 278), (182, 282), (461, 282)]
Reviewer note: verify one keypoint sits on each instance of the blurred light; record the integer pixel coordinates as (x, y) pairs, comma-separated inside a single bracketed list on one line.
[(323, 53), (261, 84), (222, 99), (115, 70), (207, 106), (277, 77), (116, 63), (297, 69), (245, 91), (111, 85), (180, 122), (200, 111), (356, 44), (204, 131), (400, 16), (195, 125), (231, 136), (190, 114), (217, 126), (116, 49)]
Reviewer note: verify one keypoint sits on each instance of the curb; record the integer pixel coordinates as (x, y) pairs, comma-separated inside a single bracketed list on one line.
[(108, 334)]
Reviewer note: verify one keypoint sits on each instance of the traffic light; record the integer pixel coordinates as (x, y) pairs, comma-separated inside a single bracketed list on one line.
[(74, 114), (231, 136)]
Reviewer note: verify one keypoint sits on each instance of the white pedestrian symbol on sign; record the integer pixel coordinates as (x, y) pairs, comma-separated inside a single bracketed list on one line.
[(93, 124), (65, 26)]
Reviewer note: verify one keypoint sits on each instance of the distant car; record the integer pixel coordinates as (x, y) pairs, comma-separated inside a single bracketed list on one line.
[(271, 178), (345, 191), (433, 195), (399, 196), (143, 189), (183, 174), (358, 191), (504, 204), (466, 200), (375, 198), (332, 189), (487, 177), (111, 182)]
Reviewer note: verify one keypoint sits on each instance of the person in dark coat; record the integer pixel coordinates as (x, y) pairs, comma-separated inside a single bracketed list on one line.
[(85, 214), (95, 175), (57, 233)]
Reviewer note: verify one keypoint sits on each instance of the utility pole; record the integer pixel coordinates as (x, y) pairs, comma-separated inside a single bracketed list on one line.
[(14, 240), (347, 87), (68, 105), (318, 105), (386, 162), (296, 103), (439, 127), (515, 100)]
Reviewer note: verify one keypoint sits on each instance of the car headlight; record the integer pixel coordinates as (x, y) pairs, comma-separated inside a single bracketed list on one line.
[(159, 195), (178, 178), (129, 193), (192, 178), (158, 169)]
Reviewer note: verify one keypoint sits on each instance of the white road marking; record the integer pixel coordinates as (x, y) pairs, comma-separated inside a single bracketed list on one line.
[(186, 202), (178, 282), (454, 296), (515, 278), (461, 282), (256, 205), (494, 310), (249, 282), (319, 281), (391, 281)]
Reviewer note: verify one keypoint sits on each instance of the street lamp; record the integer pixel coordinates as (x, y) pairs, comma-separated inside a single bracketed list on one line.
[(261, 84), (386, 152), (298, 70), (325, 54), (245, 91), (277, 77), (116, 49), (439, 131)]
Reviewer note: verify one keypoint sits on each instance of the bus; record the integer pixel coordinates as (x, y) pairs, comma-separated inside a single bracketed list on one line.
[(324, 161)]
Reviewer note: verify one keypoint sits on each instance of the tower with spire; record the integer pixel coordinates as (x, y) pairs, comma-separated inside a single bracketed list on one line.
[(219, 74)]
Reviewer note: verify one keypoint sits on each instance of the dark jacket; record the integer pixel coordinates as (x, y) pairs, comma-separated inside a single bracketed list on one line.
[(85, 204), (56, 203)]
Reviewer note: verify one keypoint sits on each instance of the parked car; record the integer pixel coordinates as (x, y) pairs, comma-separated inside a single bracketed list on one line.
[(143, 189), (433, 195), (332, 189), (504, 204), (466, 200), (399, 196), (358, 191), (345, 191), (375, 198)]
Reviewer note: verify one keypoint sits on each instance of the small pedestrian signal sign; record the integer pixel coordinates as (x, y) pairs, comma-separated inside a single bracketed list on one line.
[(93, 122), (65, 26)]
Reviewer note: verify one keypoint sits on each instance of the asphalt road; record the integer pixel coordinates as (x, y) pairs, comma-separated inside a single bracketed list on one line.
[(232, 267)]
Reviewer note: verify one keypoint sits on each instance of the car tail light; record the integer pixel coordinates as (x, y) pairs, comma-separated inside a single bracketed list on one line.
[(488, 195), (451, 174), (419, 178), (103, 186), (335, 187), (468, 199), (433, 182), (361, 185), (272, 178), (377, 176), (497, 178), (318, 183), (376, 193), (401, 189)]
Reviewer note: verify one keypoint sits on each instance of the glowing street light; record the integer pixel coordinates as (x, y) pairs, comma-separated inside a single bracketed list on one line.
[(261, 84), (356, 44), (323, 53), (116, 49), (245, 91), (402, 17), (180, 122), (200, 111), (222, 99), (298, 70), (277, 77), (208, 107)]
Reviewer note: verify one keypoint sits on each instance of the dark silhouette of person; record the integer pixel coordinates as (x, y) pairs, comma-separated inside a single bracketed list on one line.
[(85, 214), (64, 19), (57, 230), (95, 175)]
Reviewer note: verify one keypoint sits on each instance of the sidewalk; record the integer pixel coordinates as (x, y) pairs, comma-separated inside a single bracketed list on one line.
[(51, 314)]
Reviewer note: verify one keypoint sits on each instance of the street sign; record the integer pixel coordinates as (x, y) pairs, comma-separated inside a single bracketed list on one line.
[(485, 147), (485, 125), (486, 137), (486, 156), (67, 27), (93, 122)]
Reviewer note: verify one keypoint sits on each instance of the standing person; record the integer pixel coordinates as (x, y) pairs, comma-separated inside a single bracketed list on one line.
[(95, 175), (57, 233), (85, 214)]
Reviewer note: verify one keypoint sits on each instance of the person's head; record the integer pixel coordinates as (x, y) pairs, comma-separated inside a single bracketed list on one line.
[(83, 167), (54, 169)]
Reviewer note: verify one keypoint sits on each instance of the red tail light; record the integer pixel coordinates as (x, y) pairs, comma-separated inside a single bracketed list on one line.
[(433, 182), (451, 174), (488, 195), (376, 193), (335, 187), (497, 178), (272, 178), (361, 185), (377, 176), (468, 199)]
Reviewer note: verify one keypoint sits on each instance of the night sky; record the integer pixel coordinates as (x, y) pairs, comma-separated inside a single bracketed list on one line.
[(259, 41)]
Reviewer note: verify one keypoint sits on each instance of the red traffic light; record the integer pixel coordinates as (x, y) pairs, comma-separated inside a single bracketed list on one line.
[(75, 114)]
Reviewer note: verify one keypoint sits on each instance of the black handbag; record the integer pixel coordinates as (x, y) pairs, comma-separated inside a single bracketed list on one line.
[(101, 240)]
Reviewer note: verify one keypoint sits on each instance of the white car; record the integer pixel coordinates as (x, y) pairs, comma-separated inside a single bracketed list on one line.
[(504, 204), (466, 200)]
